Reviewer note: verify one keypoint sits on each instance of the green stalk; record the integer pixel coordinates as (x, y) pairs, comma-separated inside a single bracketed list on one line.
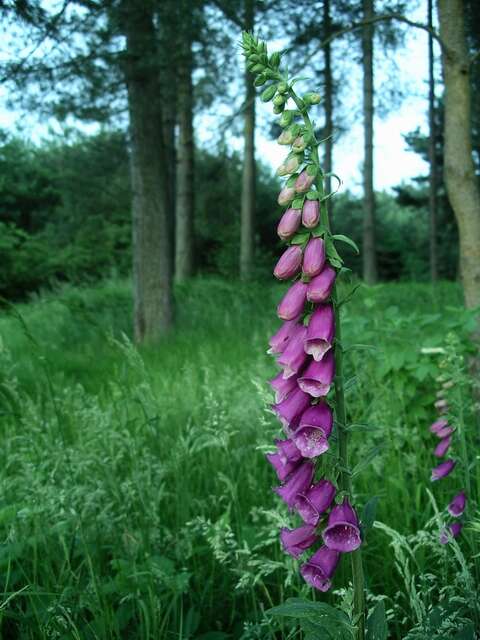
[(340, 408)]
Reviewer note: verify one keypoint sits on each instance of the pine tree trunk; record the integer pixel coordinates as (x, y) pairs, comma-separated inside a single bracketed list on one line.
[(185, 159), (328, 99), (248, 177), (432, 156), (369, 249), (153, 305), (460, 178)]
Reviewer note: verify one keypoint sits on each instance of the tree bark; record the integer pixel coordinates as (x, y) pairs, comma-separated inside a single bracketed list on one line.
[(369, 249), (432, 156), (328, 102), (248, 176), (153, 306), (185, 158), (460, 178)]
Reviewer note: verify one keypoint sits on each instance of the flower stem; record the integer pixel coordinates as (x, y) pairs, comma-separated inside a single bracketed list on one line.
[(340, 409)]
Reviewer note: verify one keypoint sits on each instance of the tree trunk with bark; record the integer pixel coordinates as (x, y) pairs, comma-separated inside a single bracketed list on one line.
[(184, 207), (460, 179), (328, 98), (247, 232), (369, 248), (432, 156), (152, 279)]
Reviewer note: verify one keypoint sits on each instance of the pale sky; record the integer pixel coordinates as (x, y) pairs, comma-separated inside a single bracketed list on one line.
[(392, 162)]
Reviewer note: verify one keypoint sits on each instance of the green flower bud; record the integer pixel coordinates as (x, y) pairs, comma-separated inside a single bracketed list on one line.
[(282, 87), (286, 137), (258, 68), (279, 100), (299, 144), (275, 60), (286, 118), (278, 108), (268, 93), (253, 57), (312, 98), (271, 75), (259, 80)]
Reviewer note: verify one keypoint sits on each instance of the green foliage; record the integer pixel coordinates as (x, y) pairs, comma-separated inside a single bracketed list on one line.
[(136, 501)]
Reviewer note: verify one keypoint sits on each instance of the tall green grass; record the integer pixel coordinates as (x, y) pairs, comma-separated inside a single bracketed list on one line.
[(135, 499)]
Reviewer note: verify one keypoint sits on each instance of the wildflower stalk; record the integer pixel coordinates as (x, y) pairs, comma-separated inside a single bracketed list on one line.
[(340, 406)]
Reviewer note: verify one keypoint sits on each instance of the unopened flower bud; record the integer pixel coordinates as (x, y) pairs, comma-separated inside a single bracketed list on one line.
[(282, 87), (299, 144), (289, 223), (278, 109), (258, 68), (260, 80), (310, 213), (286, 118), (286, 137), (312, 98), (268, 93), (285, 196), (279, 100), (275, 59), (304, 181), (289, 263)]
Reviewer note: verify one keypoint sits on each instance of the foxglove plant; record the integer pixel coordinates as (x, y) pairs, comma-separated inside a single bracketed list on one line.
[(308, 347)]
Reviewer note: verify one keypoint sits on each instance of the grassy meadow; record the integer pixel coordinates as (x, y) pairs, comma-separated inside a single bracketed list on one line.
[(136, 502)]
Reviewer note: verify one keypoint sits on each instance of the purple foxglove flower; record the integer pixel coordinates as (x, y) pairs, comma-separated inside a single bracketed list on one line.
[(286, 137), (283, 386), (289, 223), (454, 530), (292, 303), (296, 541), (294, 356), (436, 426), (279, 340), (310, 213), (342, 532), (315, 427), (290, 409), (445, 432), (288, 451), (320, 287), (320, 568), (299, 144), (442, 447), (318, 376), (289, 263), (315, 501), (304, 182), (282, 469), (314, 257), (320, 333), (286, 195), (443, 469), (457, 505), (298, 482), (441, 405)]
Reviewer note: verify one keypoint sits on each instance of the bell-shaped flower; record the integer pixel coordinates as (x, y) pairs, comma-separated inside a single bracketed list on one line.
[(279, 340), (453, 531), (290, 410), (297, 482), (314, 429), (296, 541), (442, 447), (438, 425), (321, 331), (457, 505), (294, 356), (289, 263), (288, 451), (282, 386), (320, 568), (289, 223), (443, 469), (313, 257), (320, 287), (311, 504), (342, 532), (283, 469), (310, 213), (318, 376), (293, 302), (304, 181), (286, 195)]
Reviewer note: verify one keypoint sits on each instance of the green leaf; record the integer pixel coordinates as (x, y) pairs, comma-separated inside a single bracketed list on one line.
[(298, 203), (341, 238), (313, 195), (377, 623), (363, 464), (300, 238)]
